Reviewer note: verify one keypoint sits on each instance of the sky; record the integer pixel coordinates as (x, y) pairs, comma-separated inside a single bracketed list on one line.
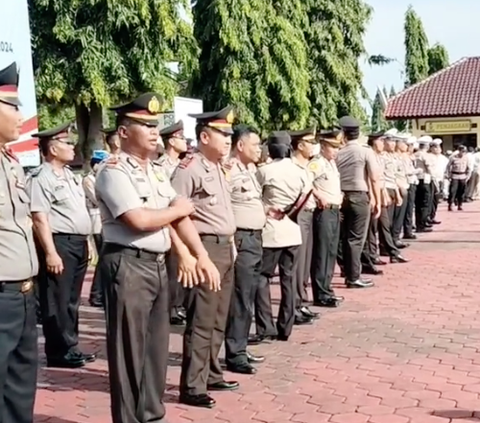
[(453, 23)]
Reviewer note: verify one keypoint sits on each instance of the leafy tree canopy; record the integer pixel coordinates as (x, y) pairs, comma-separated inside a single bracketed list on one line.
[(416, 48), (437, 58)]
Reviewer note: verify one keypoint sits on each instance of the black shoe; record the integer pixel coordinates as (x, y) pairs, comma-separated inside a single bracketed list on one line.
[(301, 319), (242, 368), (379, 262), (370, 270), (88, 358), (283, 338), (409, 236), (435, 222), (177, 321), (459, 208), (223, 386), (255, 359), (309, 313), (202, 400), (398, 259), (401, 245), (360, 283), (424, 230), (450, 207), (331, 302), (255, 340), (67, 362)]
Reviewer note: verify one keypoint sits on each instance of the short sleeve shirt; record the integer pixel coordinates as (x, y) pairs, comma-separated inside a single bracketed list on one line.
[(124, 186)]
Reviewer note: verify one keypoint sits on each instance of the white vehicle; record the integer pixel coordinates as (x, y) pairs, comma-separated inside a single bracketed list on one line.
[(15, 46)]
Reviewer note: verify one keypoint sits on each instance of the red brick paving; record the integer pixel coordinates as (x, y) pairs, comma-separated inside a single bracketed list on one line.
[(405, 351)]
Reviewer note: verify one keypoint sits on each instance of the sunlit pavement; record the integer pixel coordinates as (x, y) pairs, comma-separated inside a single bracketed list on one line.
[(403, 351)]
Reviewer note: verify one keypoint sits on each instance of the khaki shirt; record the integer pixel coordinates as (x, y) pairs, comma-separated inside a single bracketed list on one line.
[(411, 171), (246, 198), (168, 164), (205, 183), (326, 179), (282, 182), (401, 172), (92, 203), (381, 169), (458, 168), (389, 171), (355, 164), (424, 166), (61, 198), (18, 257), (122, 186), (311, 204)]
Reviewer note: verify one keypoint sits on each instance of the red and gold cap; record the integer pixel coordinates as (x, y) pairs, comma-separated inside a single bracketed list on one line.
[(144, 109), (9, 85), (221, 120)]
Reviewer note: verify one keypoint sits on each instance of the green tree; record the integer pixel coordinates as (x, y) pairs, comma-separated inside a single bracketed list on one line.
[(335, 44), (416, 49), (255, 58), (437, 58), (92, 54), (377, 120)]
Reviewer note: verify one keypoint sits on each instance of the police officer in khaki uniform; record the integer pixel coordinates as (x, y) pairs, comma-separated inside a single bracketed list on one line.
[(97, 297), (423, 193), (250, 219), (357, 166), (18, 264), (458, 172), (62, 225), (282, 182), (393, 199), (326, 219), (403, 186), (141, 213), (175, 145), (409, 161), (303, 143), (201, 178)]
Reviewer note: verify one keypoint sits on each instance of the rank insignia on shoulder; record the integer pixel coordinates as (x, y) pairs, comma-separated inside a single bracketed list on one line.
[(228, 164), (35, 172), (186, 162), (112, 161)]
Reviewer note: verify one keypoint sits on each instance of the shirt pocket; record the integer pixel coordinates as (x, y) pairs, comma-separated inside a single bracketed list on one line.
[(60, 194)]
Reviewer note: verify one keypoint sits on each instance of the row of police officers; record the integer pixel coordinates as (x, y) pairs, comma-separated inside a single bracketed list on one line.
[(216, 223)]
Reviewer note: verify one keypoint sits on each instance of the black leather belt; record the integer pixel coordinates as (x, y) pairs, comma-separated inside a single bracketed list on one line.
[(133, 252), (250, 231), (22, 286), (217, 239), (459, 173)]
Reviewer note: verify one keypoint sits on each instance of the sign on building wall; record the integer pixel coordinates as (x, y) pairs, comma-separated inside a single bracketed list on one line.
[(448, 127)]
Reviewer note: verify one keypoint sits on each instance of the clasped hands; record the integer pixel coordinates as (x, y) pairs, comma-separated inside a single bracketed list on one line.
[(192, 271)]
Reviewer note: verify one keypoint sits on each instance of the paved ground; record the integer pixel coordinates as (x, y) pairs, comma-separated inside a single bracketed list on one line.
[(405, 351)]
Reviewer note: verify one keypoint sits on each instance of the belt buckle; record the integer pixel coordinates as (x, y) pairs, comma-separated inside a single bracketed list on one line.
[(231, 239), (26, 286)]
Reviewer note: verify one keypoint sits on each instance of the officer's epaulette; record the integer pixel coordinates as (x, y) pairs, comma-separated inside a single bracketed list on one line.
[(10, 154), (228, 164), (36, 171), (112, 161), (186, 161)]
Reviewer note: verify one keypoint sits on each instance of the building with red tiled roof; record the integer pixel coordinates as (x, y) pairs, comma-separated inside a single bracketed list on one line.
[(445, 105)]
